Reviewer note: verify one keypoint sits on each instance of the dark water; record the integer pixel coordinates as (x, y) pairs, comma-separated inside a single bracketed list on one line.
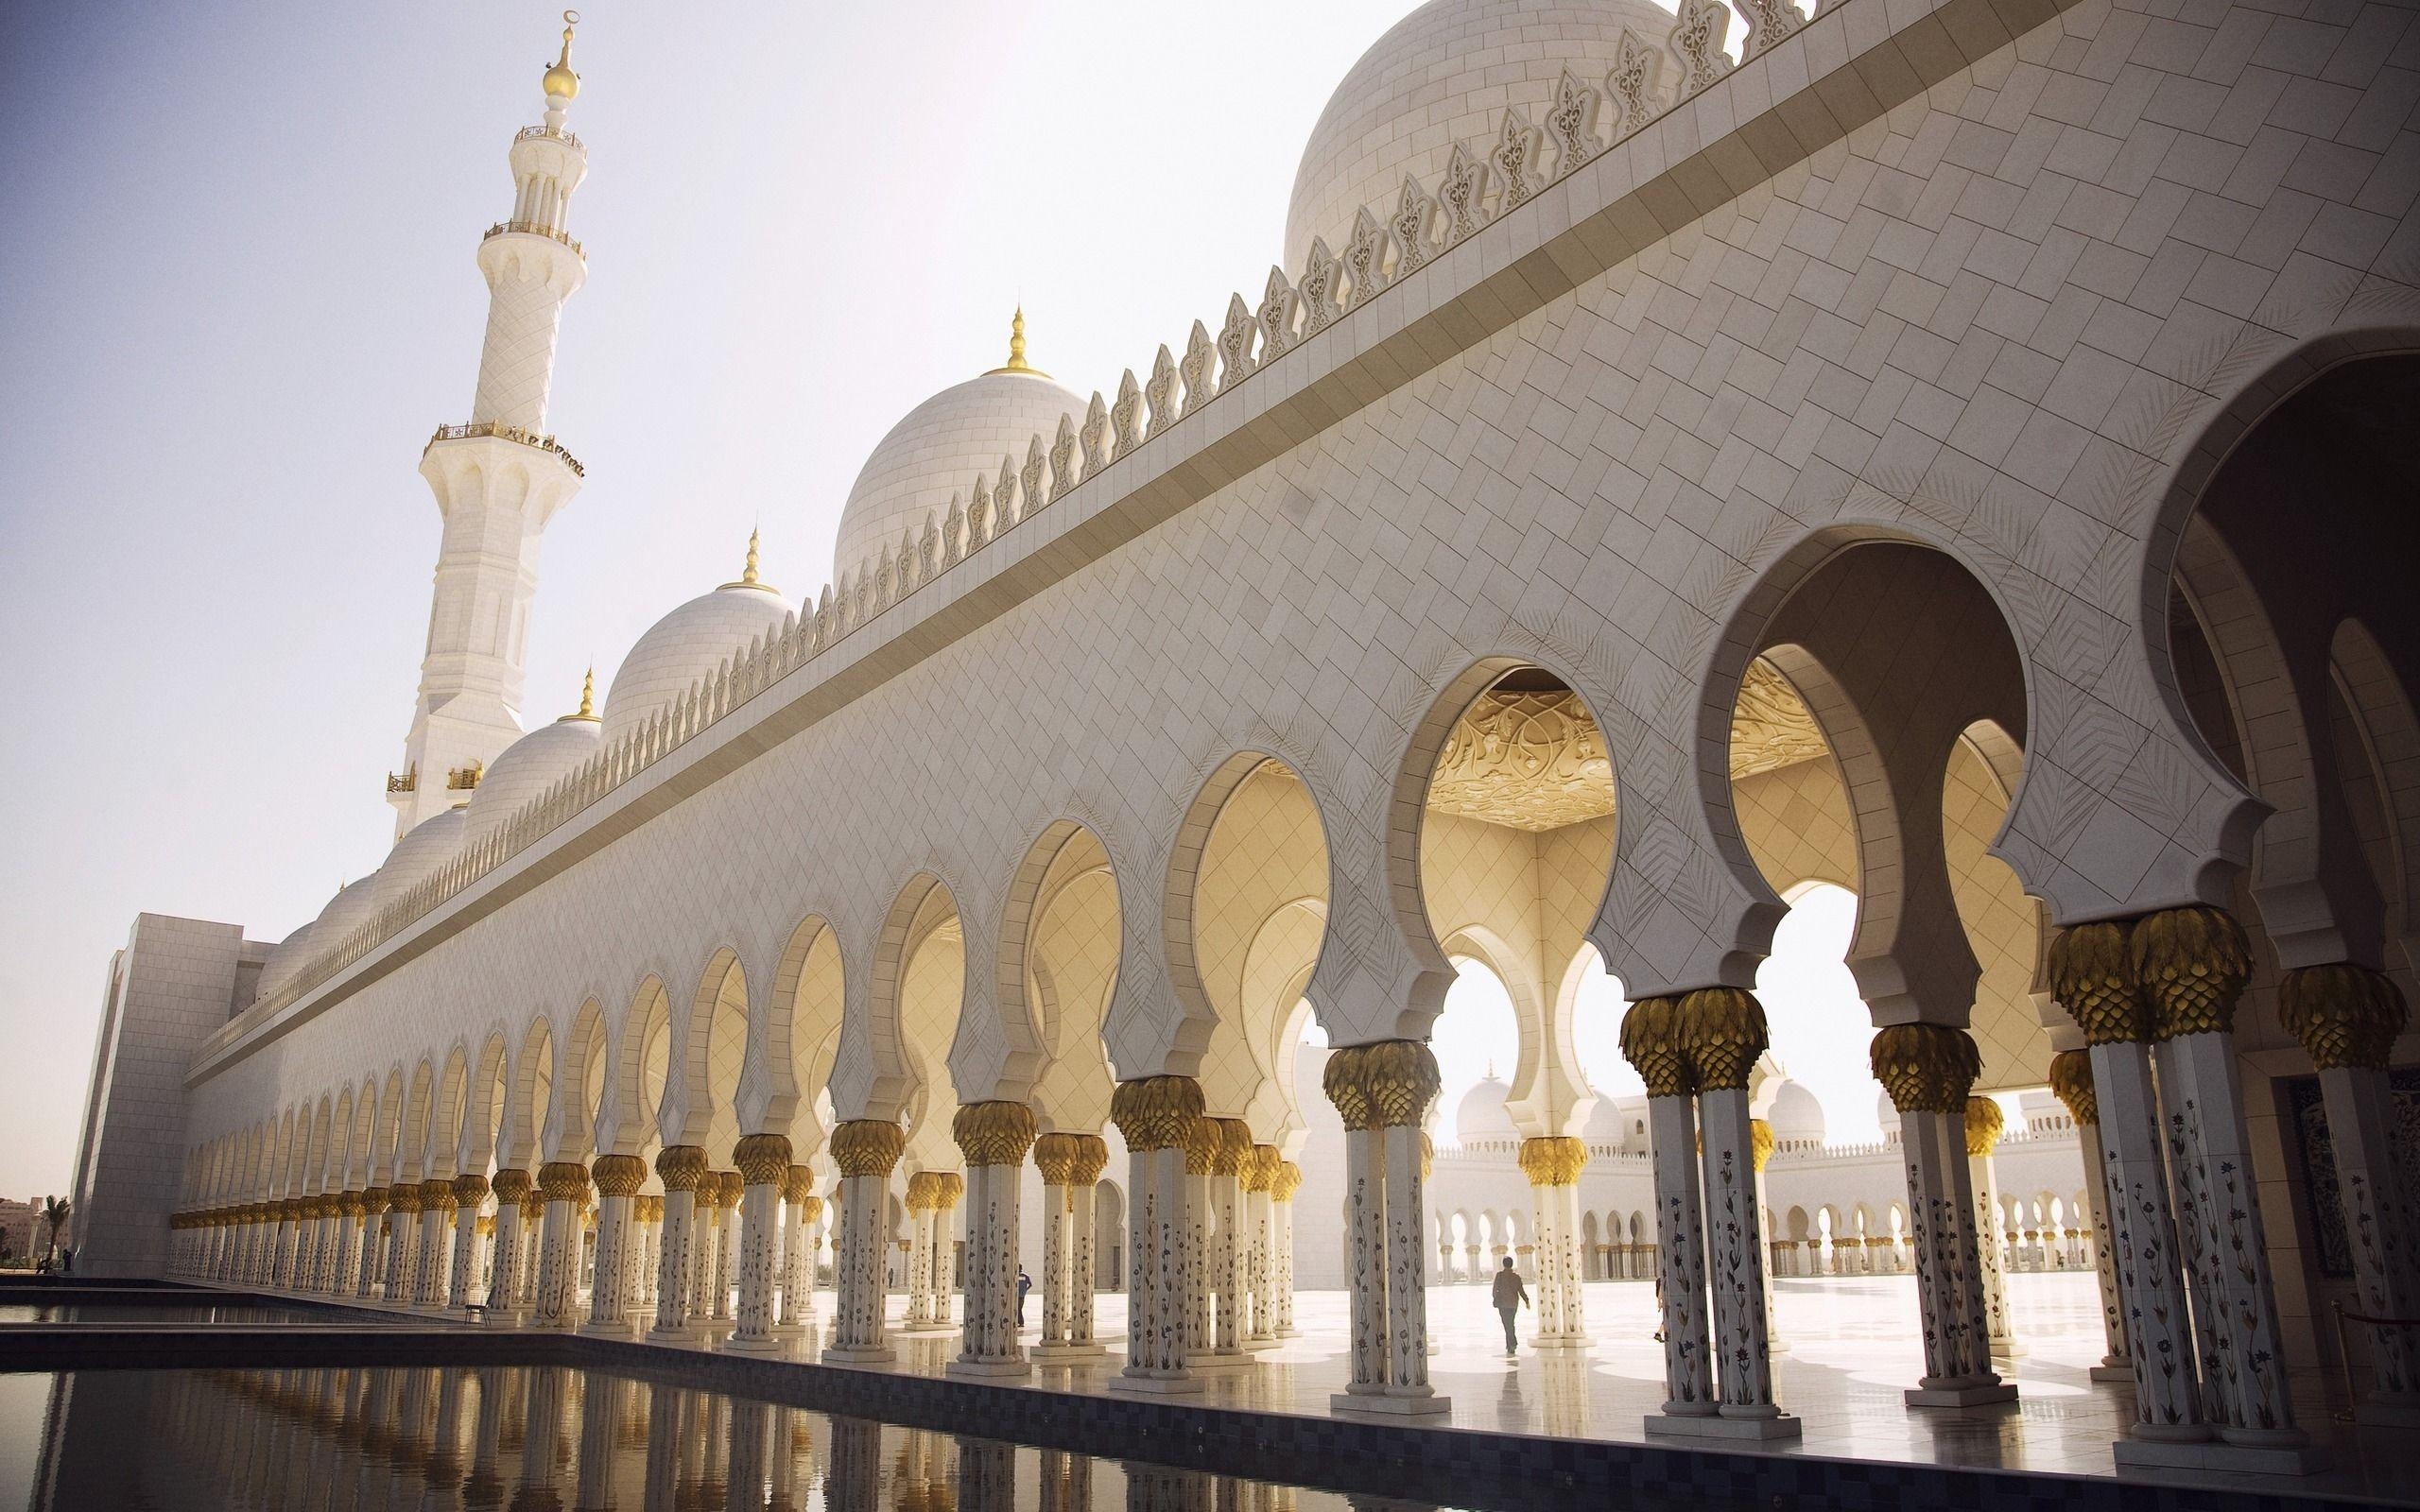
[(550, 1438)]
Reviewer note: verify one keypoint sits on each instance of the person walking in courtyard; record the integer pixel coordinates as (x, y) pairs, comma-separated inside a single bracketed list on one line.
[(1510, 1296), (1025, 1284)]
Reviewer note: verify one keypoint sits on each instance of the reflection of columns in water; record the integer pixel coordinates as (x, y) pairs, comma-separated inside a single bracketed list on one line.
[(2347, 1018), (853, 1482), (1928, 1068), (1983, 1124), (747, 1470), (512, 1187), (764, 1161), (667, 1408), (1553, 1165), (993, 1136), (541, 1442), (485, 1486), (600, 1412), (987, 1475), (865, 1150), (683, 1167), (619, 1178), (1155, 1115)]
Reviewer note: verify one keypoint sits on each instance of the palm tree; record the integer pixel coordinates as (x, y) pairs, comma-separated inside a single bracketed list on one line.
[(54, 1215)]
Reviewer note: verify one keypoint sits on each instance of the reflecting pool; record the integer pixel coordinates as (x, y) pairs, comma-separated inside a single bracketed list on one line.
[(530, 1437)]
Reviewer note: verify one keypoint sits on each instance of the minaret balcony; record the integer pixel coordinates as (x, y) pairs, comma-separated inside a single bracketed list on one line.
[(551, 133), (507, 432), (532, 228)]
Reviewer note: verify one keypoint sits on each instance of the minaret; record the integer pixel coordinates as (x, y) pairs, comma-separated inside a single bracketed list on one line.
[(499, 478)]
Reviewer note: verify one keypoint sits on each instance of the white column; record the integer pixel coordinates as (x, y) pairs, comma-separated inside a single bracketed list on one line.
[(1288, 1181), (1156, 1115), (470, 1191), (1983, 1121), (511, 1188), (801, 1207), (994, 1138), (764, 1161), (1553, 1165), (1260, 1238), (403, 1225), (619, 1179), (682, 1168), (563, 1184), (865, 1149), (1735, 1219)]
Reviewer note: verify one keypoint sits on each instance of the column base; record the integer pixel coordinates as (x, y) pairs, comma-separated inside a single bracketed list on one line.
[(2009, 1349), (1255, 1346), (924, 1330), (2210, 1454), (2119, 1371), (1557, 1343), (606, 1330), (768, 1344), (863, 1354), (1290, 1334), (1388, 1406), (686, 1336), (1666, 1425), (1773, 1346), (1978, 1395), (1065, 1353), (986, 1369), (1155, 1386), (790, 1331), (1217, 1362)]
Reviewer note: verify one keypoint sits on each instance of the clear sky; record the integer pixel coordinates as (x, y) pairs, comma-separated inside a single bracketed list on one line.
[(237, 292)]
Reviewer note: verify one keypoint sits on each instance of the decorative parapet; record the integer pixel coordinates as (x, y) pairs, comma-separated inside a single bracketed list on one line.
[(534, 228), (1483, 182), (531, 133), (507, 432)]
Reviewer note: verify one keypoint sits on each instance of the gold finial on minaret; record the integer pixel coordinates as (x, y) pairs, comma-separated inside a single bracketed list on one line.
[(587, 698), (561, 81), (748, 577), (1016, 349)]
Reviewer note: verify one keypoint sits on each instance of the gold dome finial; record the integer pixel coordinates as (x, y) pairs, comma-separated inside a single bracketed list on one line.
[(561, 81), (748, 577), (1016, 349)]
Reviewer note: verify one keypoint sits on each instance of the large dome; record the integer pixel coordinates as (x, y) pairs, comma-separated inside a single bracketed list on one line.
[(685, 646), (527, 768), (346, 912), (937, 450), (1440, 76), (285, 961), (1481, 1116), (416, 857), (1797, 1117)]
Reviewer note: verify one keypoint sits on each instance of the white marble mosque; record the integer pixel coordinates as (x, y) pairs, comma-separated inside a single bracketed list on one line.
[(1949, 449)]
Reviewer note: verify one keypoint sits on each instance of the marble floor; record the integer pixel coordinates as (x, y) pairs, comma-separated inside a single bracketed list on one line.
[(1850, 1349)]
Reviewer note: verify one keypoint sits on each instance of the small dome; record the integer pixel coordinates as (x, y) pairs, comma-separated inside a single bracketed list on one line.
[(284, 960), (1481, 1115), (937, 450), (1796, 1117), (685, 646), (526, 768), (1441, 76), (346, 912), (433, 842)]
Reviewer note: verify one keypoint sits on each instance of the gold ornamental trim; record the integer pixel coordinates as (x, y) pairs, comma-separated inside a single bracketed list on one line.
[(729, 1186), (1760, 1143), (1288, 1181), (2071, 1083), (619, 1176), (922, 1197), (469, 1190), (404, 1198), (647, 1208), (680, 1165), (2348, 1017), (810, 1208), (1234, 1147), (1985, 1122), (510, 1185), (993, 1133), (1553, 1160), (1155, 1112), (1200, 1146), (1386, 1084), (2192, 964), (486, 1224), (951, 1186), (763, 1160), (1055, 1156), (798, 1184), (1651, 1043), (1260, 1168), (437, 1193), (866, 1146), (375, 1200), (1927, 1068), (1091, 1158), (563, 1181), (1722, 1031), (2092, 974)]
